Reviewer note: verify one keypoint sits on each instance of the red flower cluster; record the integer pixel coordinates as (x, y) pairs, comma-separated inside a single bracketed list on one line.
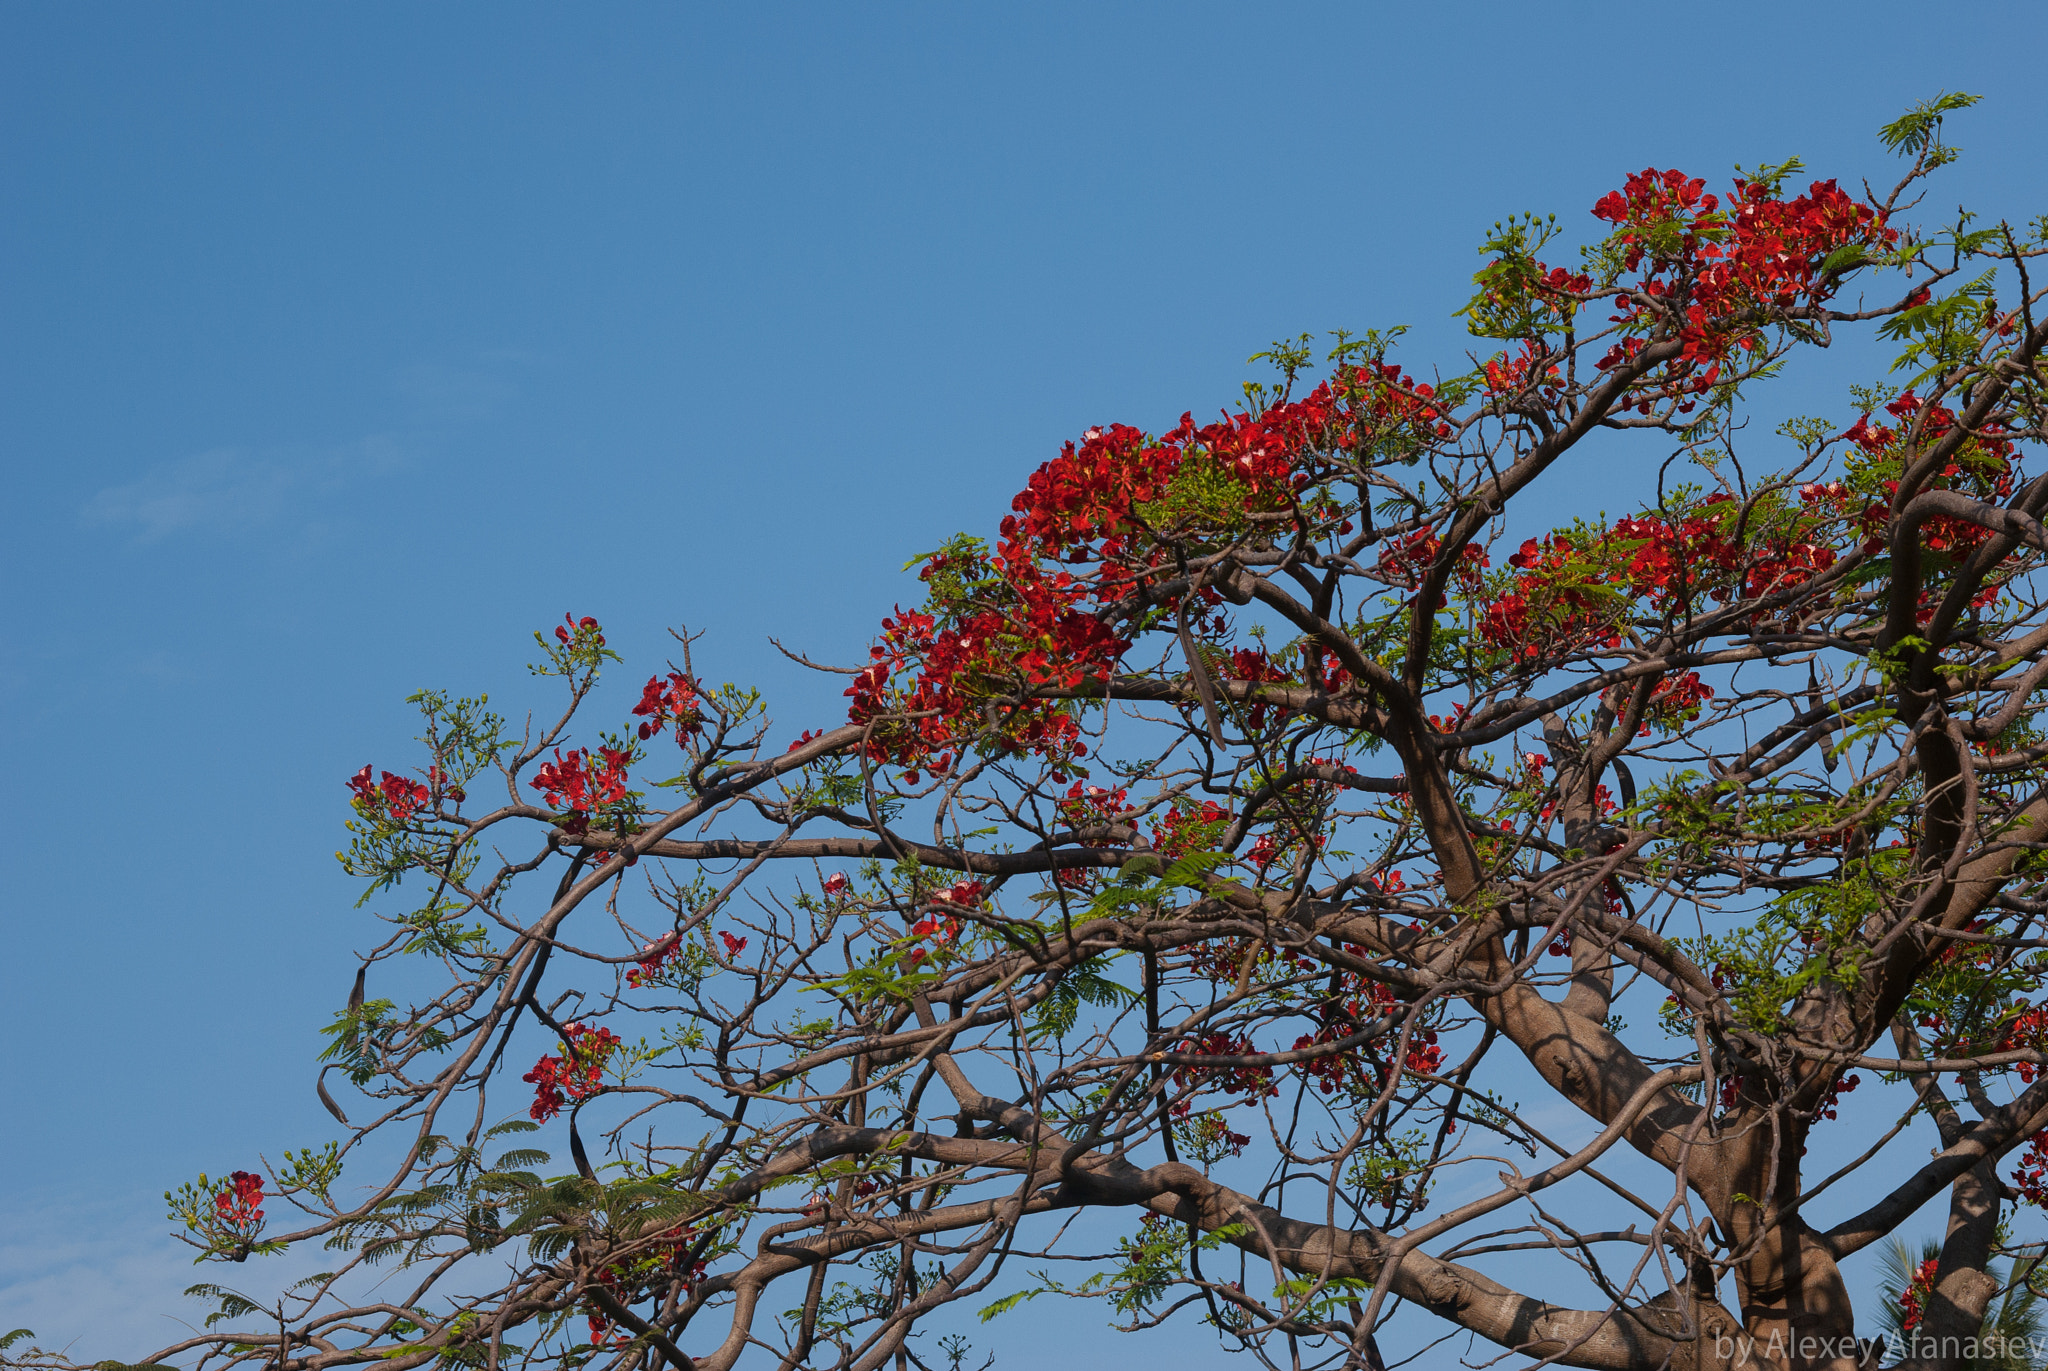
[(1508, 375), (1423, 1053), (1254, 1082), (939, 929), (239, 1205), (1554, 607), (1092, 805), (1677, 699), (1271, 847), (1987, 473), (1363, 1069), (2029, 1030), (1404, 561), (1082, 505), (1254, 666), (1091, 808), (1913, 1299), (654, 957), (572, 629), (2031, 1179), (571, 782), (966, 894), (1186, 828), (575, 1075), (392, 797), (624, 1279), (1207, 1134), (1725, 274), (1041, 640), (1826, 1109), (674, 701), (733, 946), (1032, 629), (935, 930), (1574, 592), (1338, 1070)]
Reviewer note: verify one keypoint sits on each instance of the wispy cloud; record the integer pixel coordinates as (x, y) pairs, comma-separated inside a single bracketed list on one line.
[(445, 394), (233, 488)]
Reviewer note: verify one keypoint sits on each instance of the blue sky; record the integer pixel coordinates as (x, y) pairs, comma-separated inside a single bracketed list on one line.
[(346, 345)]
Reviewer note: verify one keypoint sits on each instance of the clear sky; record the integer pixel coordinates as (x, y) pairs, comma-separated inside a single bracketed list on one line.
[(343, 346)]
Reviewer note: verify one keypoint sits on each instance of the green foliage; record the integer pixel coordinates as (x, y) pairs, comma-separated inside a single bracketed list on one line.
[(1395, 1175), (1321, 1297), (1202, 495), (576, 654), (1512, 302), (1006, 1303), (1131, 890), (233, 1304), (1917, 132), (463, 735), (192, 1205), (1057, 1013), (310, 1171), (1289, 358), (359, 1033), (1771, 175), (1152, 1261), (463, 739), (1943, 333), (491, 1203), (960, 580), (1804, 938), (438, 932), (1204, 1136)]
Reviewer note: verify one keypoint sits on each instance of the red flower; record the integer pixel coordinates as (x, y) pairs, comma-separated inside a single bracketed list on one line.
[(571, 628), (1253, 1081), (673, 701), (570, 782), (964, 893), (654, 957), (1185, 829), (238, 1206), (576, 1074), (1913, 1299), (1014, 622), (392, 797)]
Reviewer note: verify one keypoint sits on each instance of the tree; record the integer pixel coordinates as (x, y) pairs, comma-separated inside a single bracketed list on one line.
[(1204, 869)]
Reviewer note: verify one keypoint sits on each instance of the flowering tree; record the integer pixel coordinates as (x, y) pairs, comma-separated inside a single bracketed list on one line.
[(1207, 873)]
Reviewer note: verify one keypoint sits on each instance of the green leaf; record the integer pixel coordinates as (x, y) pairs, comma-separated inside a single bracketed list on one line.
[(1843, 258), (1919, 128), (233, 1304), (1009, 1302)]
